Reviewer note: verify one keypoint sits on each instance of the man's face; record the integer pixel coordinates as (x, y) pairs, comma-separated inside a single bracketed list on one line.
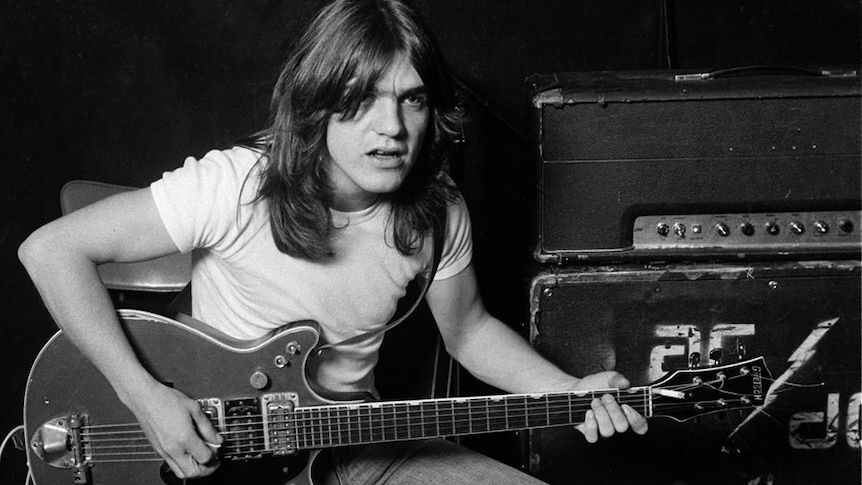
[(372, 153)]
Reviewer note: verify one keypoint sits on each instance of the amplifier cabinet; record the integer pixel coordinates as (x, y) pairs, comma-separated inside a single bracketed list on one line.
[(775, 148), (803, 318)]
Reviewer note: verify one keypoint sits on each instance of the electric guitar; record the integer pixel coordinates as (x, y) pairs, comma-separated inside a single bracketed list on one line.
[(274, 421)]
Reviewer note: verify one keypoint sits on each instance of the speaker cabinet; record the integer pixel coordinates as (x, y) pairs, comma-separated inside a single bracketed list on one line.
[(803, 318)]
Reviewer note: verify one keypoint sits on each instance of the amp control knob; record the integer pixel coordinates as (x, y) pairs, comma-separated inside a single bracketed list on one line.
[(679, 229), (721, 229), (797, 227), (846, 225), (662, 229), (772, 228), (746, 228), (821, 227)]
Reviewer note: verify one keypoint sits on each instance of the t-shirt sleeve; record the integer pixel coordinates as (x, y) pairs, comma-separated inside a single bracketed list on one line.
[(198, 202), (458, 246)]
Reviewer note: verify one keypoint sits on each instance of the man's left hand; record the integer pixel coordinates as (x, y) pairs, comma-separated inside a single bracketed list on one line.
[(606, 416)]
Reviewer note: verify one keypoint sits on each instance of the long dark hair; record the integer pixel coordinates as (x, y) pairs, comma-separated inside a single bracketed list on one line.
[(334, 64)]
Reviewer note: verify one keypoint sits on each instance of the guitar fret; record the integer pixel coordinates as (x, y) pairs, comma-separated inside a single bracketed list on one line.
[(306, 417), (353, 430), (517, 411), (402, 422), (321, 428), (558, 410), (329, 425), (365, 424), (300, 429), (417, 420), (448, 419), (377, 409), (339, 430), (315, 428), (534, 411), (429, 426), (376, 418), (387, 412), (462, 421), (497, 419)]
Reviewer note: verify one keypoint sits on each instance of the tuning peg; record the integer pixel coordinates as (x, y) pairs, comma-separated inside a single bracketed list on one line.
[(694, 360), (716, 356), (740, 349)]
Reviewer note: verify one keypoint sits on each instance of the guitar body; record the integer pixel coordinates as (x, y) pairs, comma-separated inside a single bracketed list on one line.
[(193, 360)]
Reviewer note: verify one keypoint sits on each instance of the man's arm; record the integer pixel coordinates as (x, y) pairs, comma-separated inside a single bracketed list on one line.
[(61, 258), (497, 355)]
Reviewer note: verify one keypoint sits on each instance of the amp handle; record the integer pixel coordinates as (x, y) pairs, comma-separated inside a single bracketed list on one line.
[(767, 69)]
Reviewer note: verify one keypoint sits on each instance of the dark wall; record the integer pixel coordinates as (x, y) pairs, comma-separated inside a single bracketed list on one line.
[(122, 91)]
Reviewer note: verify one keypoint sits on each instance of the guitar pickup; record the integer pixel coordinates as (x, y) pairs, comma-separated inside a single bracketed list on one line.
[(278, 422)]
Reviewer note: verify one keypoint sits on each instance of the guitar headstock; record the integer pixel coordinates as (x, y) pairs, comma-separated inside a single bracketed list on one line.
[(689, 393)]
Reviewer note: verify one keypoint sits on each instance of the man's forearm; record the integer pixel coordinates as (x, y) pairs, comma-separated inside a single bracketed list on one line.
[(497, 355), (78, 301)]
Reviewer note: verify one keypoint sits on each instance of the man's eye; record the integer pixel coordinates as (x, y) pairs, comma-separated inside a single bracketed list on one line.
[(417, 100)]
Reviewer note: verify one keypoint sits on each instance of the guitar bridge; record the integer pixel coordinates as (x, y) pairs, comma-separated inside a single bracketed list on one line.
[(59, 444)]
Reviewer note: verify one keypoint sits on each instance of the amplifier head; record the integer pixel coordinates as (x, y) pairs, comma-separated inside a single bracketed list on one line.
[(614, 147)]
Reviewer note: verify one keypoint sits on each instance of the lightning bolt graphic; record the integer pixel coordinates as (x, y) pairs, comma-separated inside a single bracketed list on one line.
[(799, 358)]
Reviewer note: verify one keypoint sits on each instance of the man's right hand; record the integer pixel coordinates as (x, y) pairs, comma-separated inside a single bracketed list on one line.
[(178, 430)]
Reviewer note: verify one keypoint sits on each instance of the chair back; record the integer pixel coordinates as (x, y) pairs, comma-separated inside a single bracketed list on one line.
[(165, 274)]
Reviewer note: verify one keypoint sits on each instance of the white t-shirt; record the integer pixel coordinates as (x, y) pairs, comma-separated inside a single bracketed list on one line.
[(243, 286)]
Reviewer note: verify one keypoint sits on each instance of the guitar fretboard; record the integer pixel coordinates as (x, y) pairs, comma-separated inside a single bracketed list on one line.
[(338, 425)]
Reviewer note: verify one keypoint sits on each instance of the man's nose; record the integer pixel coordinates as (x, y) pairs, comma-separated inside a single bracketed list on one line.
[(387, 117)]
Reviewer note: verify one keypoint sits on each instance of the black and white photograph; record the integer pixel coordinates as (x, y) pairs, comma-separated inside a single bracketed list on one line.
[(431, 242)]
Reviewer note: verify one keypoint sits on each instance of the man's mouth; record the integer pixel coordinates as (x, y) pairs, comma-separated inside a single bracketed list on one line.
[(385, 153)]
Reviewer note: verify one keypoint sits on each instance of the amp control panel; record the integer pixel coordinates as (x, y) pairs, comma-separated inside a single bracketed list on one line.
[(792, 232)]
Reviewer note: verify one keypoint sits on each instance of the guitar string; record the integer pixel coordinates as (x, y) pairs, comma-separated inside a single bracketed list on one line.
[(459, 419), (315, 414), (250, 445), (321, 421), (325, 412), (492, 404), (255, 448)]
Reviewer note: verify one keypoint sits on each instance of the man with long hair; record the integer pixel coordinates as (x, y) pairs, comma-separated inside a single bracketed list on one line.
[(327, 215)]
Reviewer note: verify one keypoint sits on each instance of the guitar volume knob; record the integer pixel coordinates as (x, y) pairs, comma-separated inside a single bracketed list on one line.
[(258, 380)]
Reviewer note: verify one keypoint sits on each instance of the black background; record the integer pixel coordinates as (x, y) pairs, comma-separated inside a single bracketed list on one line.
[(121, 91)]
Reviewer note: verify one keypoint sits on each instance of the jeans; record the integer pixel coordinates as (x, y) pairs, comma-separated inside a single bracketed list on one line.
[(424, 462)]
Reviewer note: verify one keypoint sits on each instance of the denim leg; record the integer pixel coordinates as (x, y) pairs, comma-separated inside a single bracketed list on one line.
[(426, 462)]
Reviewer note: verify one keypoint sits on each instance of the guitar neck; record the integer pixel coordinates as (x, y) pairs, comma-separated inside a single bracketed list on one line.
[(352, 424)]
